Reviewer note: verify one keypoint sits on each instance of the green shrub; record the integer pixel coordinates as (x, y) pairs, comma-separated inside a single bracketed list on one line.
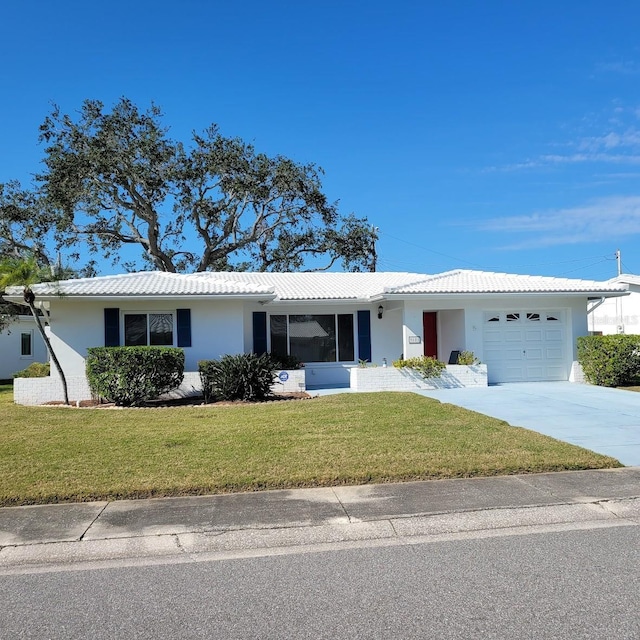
[(34, 370), (468, 358), (426, 366), (130, 376), (610, 361), (246, 376), (286, 362)]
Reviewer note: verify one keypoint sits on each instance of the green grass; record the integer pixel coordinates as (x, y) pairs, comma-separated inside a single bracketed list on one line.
[(57, 454)]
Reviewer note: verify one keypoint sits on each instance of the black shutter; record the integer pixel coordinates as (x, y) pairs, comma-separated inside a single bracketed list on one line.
[(111, 327), (183, 322), (259, 332), (364, 335)]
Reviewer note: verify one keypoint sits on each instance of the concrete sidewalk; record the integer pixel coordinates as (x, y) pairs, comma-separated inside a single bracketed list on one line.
[(181, 528)]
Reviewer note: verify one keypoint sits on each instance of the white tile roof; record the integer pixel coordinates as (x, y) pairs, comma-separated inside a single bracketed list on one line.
[(324, 285), (466, 281), (626, 278), (149, 283), (314, 286)]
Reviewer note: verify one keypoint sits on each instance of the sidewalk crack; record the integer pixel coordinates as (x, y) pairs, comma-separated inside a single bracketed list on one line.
[(92, 522), (344, 509)]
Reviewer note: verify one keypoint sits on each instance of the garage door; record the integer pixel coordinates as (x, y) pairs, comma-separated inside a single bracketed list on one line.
[(529, 345)]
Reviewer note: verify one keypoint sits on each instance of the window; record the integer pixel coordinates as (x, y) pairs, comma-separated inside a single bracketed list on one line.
[(153, 329), (533, 317), (313, 337), (26, 344), (513, 317)]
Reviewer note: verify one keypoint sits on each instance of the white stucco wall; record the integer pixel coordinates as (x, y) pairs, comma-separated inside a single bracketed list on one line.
[(11, 359), (617, 315), (466, 331), (216, 328), (386, 332)]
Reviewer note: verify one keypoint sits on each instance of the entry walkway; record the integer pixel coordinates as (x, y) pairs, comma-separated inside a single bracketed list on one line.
[(604, 420)]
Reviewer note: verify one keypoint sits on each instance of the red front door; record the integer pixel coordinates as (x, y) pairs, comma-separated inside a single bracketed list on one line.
[(430, 333)]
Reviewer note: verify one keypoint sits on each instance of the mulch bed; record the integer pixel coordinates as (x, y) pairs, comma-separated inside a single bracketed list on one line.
[(191, 401)]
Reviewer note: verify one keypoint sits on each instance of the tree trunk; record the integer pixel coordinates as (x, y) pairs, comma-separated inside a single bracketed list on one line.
[(52, 354)]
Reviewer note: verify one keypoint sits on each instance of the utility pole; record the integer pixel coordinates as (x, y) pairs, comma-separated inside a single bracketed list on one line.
[(619, 261)]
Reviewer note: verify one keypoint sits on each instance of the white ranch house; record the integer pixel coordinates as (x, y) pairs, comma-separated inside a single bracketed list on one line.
[(20, 345), (617, 315), (522, 328)]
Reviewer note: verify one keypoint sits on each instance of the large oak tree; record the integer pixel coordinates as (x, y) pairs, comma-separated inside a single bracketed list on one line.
[(116, 178)]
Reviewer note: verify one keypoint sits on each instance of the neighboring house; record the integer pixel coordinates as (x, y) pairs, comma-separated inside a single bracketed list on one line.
[(522, 327), (617, 315), (20, 345)]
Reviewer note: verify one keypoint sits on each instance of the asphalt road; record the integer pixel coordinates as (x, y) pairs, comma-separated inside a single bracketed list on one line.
[(582, 582)]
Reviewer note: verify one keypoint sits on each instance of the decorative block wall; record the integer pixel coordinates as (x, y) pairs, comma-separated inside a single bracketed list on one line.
[(392, 379), (34, 391), (577, 375)]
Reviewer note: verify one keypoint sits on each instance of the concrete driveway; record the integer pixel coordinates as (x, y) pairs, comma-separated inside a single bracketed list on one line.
[(604, 420)]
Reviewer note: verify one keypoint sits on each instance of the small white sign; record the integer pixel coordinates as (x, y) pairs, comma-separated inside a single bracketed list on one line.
[(414, 340)]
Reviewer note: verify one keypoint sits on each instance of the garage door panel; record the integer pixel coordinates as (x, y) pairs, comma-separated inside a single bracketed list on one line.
[(535, 373), (525, 345), (514, 374)]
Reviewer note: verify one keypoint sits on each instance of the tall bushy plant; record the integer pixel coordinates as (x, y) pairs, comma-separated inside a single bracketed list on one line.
[(610, 361), (246, 376), (130, 376)]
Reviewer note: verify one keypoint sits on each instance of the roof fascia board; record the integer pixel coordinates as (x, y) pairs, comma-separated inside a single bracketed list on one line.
[(494, 294), (317, 301), (156, 297)]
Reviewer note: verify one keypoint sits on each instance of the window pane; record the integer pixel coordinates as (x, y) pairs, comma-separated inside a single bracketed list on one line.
[(135, 330), (160, 329), (345, 337), (25, 344), (312, 338), (279, 335)]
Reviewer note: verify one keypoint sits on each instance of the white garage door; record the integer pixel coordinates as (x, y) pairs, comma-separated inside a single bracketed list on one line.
[(527, 345)]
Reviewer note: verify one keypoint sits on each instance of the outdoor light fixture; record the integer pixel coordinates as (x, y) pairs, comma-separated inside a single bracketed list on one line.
[(380, 310)]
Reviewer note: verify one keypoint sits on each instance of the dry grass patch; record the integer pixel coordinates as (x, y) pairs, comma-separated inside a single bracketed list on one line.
[(55, 454)]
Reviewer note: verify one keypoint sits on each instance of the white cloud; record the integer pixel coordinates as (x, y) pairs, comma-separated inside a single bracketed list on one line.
[(607, 218), (624, 67)]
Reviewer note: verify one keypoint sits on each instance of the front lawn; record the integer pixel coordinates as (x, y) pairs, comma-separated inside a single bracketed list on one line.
[(57, 454)]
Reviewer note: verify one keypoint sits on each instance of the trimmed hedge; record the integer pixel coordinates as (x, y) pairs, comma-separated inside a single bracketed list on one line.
[(246, 376), (130, 376), (610, 361), (34, 370)]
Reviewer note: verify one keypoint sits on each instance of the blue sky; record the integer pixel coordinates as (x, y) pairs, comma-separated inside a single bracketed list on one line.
[(479, 134)]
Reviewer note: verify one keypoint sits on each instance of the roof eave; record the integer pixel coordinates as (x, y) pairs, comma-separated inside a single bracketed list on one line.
[(484, 294), (157, 297)]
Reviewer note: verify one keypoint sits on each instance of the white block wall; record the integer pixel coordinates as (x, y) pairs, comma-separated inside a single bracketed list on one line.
[(577, 374), (35, 391), (392, 379), (32, 391)]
